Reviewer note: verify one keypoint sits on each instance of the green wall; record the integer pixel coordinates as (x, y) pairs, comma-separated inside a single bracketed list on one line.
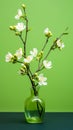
[(14, 89)]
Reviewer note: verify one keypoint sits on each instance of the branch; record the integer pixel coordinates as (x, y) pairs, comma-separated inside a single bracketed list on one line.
[(51, 48), (19, 61), (25, 18), (45, 44), (33, 84), (26, 35), (21, 39)]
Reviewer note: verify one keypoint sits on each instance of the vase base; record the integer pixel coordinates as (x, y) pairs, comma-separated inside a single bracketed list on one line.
[(34, 120)]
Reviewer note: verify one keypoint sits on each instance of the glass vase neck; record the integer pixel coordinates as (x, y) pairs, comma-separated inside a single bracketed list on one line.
[(34, 91)]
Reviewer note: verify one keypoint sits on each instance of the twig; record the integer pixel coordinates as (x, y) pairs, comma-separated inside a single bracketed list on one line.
[(51, 48), (45, 44)]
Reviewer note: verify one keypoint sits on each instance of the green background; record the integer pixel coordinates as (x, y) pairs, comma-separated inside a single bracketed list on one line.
[(14, 89)]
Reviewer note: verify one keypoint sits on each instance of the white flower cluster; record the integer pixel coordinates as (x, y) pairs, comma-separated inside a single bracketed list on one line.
[(18, 54), (33, 53), (20, 26), (27, 59)]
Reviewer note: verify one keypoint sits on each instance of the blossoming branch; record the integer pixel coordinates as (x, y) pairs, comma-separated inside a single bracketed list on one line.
[(20, 56)]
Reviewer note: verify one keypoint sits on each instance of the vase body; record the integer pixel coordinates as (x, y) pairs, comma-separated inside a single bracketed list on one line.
[(34, 108)]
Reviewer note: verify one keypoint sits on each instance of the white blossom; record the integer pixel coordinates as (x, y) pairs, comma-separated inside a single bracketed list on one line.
[(47, 32), (8, 57), (60, 44), (19, 53), (28, 59), (42, 80), (19, 14), (47, 64), (20, 27), (34, 52)]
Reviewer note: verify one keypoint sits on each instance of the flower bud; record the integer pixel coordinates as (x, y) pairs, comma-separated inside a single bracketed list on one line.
[(23, 66), (23, 6), (40, 55), (17, 33), (33, 80), (12, 28), (35, 74), (22, 71), (47, 32), (14, 59)]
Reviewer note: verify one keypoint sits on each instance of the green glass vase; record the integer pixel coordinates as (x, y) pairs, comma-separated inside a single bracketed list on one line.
[(34, 108)]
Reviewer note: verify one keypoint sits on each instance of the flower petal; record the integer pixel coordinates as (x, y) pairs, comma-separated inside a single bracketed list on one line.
[(42, 80), (20, 27), (19, 53), (19, 14), (8, 57), (47, 64), (28, 59), (34, 52), (60, 45)]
